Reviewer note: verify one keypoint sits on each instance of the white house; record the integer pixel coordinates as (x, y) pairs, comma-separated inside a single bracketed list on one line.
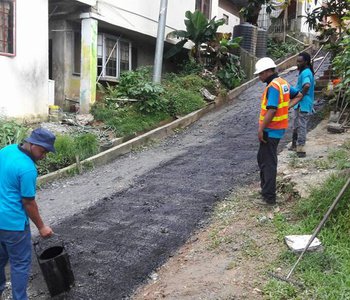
[(24, 58), (55, 51), (96, 42), (294, 14)]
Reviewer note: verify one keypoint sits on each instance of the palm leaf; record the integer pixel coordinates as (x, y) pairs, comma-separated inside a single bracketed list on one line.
[(175, 49)]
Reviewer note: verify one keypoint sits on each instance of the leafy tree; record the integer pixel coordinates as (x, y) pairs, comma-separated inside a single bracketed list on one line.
[(219, 49), (250, 12), (199, 30), (322, 18)]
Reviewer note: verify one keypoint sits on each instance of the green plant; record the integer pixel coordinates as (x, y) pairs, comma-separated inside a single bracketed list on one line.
[(130, 121), (183, 101), (86, 145), (341, 65), (199, 30), (250, 11), (329, 20), (231, 75), (11, 133), (67, 148), (339, 158), (137, 85), (190, 66), (277, 290), (277, 49)]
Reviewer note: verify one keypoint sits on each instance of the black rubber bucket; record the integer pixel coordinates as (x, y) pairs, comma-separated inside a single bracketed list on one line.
[(55, 267)]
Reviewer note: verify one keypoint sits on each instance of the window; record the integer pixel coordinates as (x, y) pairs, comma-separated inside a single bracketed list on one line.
[(113, 56), (77, 53), (7, 27), (226, 18), (204, 7)]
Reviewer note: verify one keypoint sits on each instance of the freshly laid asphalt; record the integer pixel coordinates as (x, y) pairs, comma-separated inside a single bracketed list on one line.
[(138, 210)]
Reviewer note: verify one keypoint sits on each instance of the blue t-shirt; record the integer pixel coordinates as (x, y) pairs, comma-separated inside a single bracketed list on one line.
[(273, 96), (307, 102), (18, 175)]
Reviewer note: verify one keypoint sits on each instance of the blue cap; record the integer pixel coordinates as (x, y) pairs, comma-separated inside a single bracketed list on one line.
[(42, 137)]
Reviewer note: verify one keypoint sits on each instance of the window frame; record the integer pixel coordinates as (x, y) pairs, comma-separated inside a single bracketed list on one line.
[(74, 35), (13, 32), (201, 4), (104, 57)]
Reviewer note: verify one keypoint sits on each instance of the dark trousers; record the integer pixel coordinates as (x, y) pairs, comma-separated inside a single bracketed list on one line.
[(267, 161)]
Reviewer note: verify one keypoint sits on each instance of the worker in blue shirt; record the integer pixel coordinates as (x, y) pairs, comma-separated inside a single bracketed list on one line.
[(304, 108), (18, 174)]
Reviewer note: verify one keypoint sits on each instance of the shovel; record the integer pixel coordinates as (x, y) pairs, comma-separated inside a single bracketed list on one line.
[(316, 231)]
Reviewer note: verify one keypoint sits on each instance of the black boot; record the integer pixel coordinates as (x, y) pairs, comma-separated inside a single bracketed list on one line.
[(293, 147)]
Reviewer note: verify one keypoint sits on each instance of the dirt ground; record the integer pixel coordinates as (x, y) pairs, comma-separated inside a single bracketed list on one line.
[(237, 268)]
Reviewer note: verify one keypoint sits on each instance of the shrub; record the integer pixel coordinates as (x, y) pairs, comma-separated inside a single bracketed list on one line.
[(231, 74), (183, 101), (11, 133), (277, 49), (67, 147), (136, 85), (190, 67)]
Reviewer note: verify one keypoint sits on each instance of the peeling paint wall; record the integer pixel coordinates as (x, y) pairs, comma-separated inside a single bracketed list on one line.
[(24, 77), (67, 84)]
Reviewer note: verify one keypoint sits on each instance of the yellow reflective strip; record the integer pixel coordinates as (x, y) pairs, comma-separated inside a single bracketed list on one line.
[(262, 118), (280, 118), (263, 106), (283, 104)]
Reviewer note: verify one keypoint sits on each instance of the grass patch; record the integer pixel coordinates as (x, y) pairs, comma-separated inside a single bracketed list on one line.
[(67, 148), (326, 274), (129, 121), (340, 158), (151, 103)]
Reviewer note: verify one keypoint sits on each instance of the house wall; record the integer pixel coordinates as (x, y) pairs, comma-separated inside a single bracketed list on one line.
[(142, 16), (135, 21), (24, 77), (302, 8), (67, 84), (225, 7)]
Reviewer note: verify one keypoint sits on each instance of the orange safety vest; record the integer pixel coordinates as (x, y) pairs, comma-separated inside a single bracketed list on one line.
[(280, 120)]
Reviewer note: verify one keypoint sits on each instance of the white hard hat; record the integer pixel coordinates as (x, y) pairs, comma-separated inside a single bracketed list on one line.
[(263, 64)]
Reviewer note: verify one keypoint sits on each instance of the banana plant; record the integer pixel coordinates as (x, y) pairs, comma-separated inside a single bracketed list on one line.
[(199, 30)]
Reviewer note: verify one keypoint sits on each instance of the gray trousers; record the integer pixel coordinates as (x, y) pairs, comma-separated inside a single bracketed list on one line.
[(300, 120)]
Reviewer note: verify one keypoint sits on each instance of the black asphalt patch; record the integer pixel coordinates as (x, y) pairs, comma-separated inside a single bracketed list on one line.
[(118, 242)]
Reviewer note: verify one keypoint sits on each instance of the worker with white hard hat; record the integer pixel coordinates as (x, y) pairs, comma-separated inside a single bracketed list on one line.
[(273, 122)]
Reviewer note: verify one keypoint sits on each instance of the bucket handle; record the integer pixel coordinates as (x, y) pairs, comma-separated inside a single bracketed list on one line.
[(39, 240)]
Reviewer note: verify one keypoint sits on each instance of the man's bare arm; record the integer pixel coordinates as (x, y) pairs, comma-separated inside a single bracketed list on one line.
[(32, 210)]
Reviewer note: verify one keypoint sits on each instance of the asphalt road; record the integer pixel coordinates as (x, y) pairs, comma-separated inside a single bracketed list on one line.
[(121, 221)]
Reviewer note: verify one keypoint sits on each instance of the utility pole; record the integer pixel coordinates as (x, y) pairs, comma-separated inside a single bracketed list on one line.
[(158, 59)]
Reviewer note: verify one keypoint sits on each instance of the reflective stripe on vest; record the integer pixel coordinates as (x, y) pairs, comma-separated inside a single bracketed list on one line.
[(280, 119)]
